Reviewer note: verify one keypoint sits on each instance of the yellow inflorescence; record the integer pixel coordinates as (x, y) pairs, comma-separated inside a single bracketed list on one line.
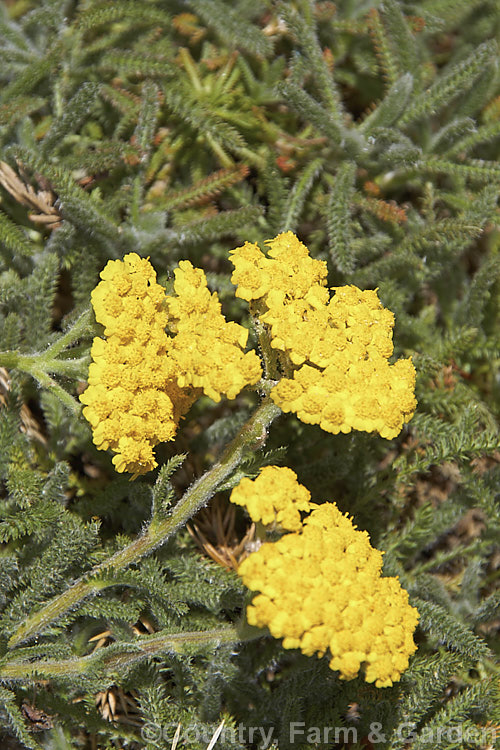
[(338, 347), (208, 351), (141, 380), (321, 590), (132, 401), (334, 350), (288, 271), (275, 497)]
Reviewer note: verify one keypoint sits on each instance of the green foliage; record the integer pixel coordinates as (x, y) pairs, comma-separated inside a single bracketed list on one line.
[(446, 628), (13, 720), (459, 78), (227, 22), (180, 130), (338, 221), (12, 238), (298, 195)]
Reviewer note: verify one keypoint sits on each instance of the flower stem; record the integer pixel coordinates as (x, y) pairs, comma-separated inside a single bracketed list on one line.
[(116, 656), (79, 328), (251, 435)]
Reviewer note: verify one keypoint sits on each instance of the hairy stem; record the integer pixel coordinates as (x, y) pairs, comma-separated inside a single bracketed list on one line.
[(79, 328), (252, 434), (116, 656)]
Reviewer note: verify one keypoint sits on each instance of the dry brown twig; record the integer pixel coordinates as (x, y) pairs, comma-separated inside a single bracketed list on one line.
[(41, 200), (115, 705), (214, 531)]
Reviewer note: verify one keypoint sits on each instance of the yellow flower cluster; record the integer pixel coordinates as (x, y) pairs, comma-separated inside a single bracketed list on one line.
[(132, 401), (275, 497), (320, 589), (338, 347), (207, 350), (289, 271), (141, 380), (334, 350)]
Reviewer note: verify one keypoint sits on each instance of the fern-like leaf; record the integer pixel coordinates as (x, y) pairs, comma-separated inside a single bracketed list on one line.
[(447, 629), (338, 218), (298, 195), (449, 85), (202, 191), (76, 111), (392, 107), (12, 238)]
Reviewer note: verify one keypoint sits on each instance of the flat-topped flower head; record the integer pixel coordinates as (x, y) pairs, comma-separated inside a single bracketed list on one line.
[(337, 347), (320, 589), (275, 497), (133, 401), (287, 271), (128, 294)]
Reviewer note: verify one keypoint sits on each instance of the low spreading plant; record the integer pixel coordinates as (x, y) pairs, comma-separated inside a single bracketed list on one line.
[(249, 396)]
